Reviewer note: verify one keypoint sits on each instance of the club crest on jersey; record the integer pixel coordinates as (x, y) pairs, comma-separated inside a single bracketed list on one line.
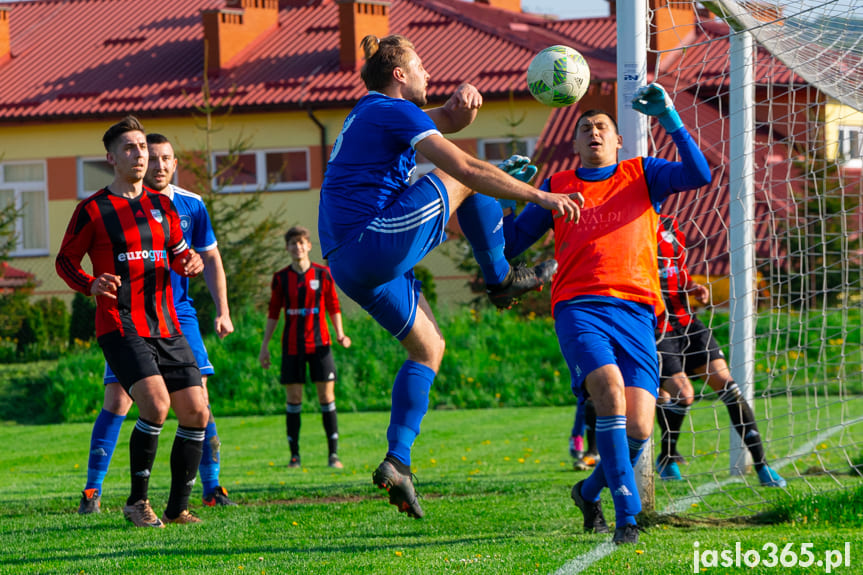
[(185, 222), (315, 284), (157, 215)]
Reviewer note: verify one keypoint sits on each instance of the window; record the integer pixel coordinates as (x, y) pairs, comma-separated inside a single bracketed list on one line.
[(493, 150), (23, 185), (272, 170), (93, 175), (496, 150), (850, 150)]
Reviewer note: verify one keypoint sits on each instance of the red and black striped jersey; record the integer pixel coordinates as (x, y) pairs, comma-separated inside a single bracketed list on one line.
[(136, 239), (304, 297), (673, 275)]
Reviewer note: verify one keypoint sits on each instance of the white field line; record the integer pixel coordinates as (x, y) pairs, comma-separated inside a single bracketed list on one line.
[(582, 562)]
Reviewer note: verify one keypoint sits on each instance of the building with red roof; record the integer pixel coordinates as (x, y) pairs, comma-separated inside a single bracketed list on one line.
[(287, 72)]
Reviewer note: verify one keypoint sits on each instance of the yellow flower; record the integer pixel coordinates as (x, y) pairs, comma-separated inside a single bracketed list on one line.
[(398, 553), (521, 459), (294, 523), (506, 458)]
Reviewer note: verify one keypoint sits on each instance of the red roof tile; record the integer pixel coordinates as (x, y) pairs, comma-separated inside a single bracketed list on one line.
[(93, 57)]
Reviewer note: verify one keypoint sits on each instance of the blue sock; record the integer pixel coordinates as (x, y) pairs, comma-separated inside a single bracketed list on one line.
[(410, 404), (615, 469), (210, 458), (578, 426), (481, 220), (636, 446), (103, 440)]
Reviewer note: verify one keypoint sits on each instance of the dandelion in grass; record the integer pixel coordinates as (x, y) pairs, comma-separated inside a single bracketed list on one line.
[(294, 523), (399, 553), (272, 464), (464, 457), (506, 458), (521, 459), (433, 461)]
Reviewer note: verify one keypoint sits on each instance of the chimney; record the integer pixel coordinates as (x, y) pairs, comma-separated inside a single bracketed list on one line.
[(230, 29), (5, 49), (511, 5), (358, 19), (673, 22)]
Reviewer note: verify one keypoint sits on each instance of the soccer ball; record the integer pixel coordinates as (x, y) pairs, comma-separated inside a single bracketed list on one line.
[(558, 76)]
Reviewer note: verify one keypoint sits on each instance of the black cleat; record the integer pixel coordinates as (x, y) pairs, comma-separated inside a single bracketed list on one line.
[(594, 520), (519, 281), (626, 535), (400, 487), (91, 502), (294, 462), (219, 496)]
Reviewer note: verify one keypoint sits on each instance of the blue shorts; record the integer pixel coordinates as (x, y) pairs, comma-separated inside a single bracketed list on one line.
[(192, 332), (375, 269), (596, 333)]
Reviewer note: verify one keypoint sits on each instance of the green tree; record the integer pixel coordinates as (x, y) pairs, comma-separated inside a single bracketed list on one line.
[(249, 238)]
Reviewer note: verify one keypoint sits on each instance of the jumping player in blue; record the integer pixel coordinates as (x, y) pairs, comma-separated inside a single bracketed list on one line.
[(198, 231), (375, 226), (606, 295)]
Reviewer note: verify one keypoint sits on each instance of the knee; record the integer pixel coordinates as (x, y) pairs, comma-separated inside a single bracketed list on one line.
[(431, 354), (117, 401), (193, 415), (679, 390)]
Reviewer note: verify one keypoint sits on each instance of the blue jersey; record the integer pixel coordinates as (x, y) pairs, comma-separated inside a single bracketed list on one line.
[(371, 164), (198, 233)]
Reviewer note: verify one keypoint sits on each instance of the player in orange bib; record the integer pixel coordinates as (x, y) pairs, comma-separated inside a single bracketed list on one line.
[(606, 295)]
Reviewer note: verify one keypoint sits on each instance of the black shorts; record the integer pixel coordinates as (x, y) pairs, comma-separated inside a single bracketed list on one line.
[(322, 366), (686, 349), (132, 358)]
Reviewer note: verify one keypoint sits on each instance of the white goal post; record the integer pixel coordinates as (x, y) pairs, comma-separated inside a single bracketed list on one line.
[(772, 91)]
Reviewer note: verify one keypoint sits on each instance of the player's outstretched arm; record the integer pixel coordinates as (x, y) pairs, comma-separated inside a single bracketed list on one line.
[(459, 111), (653, 100), (492, 181)]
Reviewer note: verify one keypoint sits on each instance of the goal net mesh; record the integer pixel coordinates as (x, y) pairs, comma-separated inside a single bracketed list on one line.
[(808, 144)]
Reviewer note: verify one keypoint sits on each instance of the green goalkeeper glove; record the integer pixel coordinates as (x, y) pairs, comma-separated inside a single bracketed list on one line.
[(653, 100), (519, 167)]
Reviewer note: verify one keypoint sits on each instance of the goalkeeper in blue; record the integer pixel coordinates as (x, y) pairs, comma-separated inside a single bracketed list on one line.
[(606, 296), (375, 224)]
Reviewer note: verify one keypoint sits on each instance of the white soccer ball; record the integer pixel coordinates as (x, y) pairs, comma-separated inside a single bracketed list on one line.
[(558, 76)]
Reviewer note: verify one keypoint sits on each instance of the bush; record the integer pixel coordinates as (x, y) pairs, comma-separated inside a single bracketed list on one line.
[(31, 331), (82, 325), (492, 359)]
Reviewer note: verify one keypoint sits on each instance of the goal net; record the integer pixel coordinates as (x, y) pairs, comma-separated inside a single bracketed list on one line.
[(804, 360)]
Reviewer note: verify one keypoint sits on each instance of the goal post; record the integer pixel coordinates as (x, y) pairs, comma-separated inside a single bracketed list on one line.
[(770, 91), (633, 125)]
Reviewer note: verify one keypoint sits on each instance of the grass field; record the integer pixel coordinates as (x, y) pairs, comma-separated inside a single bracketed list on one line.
[(494, 484)]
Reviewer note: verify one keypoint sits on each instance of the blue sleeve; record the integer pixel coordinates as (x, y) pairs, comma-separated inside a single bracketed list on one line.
[(408, 124), (665, 178), (522, 232)]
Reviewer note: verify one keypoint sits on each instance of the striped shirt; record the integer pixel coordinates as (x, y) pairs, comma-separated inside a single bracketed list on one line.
[(673, 275), (136, 239), (304, 297)]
